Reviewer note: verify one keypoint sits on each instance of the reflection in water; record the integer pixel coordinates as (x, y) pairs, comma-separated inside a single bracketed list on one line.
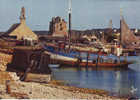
[(116, 81)]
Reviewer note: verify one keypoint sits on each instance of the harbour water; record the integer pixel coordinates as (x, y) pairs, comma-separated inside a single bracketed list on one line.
[(118, 82)]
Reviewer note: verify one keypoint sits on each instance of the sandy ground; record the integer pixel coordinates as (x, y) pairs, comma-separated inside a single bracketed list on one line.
[(47, 91)]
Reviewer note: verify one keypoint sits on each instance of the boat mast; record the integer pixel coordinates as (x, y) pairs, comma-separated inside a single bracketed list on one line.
[(69, 30), (120, 26)]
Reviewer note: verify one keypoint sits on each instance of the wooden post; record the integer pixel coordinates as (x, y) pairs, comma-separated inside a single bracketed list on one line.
[(69, 31), (23, 78), (125, 55), (87, 59), (97, 60), (79, 59), (8, 88), (119, 59)]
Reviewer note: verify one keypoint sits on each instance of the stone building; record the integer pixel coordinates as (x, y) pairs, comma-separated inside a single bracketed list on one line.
[(58, 27), (21, 30)]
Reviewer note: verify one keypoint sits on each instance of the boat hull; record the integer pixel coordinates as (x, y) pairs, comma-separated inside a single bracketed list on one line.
[(89, 64), (74, 62)]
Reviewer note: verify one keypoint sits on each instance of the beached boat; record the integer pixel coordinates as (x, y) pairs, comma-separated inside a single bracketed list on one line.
[(74, 58)]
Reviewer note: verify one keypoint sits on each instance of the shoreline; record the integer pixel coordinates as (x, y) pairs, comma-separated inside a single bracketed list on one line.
[(100, 92), (51, 90), (73, 88)]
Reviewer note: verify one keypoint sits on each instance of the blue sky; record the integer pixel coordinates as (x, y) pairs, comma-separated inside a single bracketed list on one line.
[(86, 14)]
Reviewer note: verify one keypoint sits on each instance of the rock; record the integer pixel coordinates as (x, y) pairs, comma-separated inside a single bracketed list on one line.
[(3, 67), (4, 76), (14, 76)]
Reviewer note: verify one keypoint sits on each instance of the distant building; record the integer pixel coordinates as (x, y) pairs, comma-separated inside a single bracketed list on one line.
[(21, 30), (58, 27)]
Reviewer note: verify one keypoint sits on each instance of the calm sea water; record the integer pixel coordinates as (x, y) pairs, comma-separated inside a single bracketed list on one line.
[(119, 82)]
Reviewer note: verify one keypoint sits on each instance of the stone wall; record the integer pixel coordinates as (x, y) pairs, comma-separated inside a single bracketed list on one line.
[(11, 76), (4, 60)]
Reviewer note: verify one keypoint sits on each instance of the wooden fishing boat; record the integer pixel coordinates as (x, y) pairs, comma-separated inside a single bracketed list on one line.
[(90, 64), (73, 59)]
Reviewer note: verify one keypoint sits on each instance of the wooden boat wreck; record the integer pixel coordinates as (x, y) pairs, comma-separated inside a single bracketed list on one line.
[(30, 64)]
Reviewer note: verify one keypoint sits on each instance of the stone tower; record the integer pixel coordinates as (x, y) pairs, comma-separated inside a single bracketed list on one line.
[(22, 15), (58, 27)]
